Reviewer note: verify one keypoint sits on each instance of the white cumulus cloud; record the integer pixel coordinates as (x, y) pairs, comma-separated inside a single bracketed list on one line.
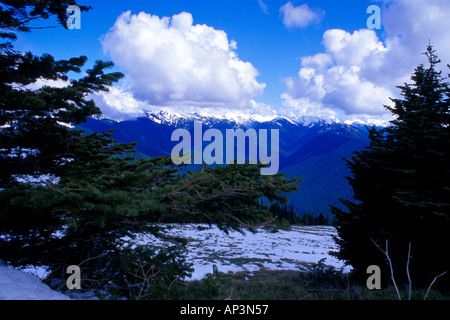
[(300, 16), (169, 61), (358, 71)]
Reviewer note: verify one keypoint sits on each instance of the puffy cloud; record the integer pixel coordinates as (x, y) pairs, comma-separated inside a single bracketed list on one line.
[(172, 62), (411, 24), (334, 83), (358, 73), (301, 16), (120, 104)]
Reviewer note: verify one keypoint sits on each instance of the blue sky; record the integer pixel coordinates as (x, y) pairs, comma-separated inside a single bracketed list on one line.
[(260, 57)]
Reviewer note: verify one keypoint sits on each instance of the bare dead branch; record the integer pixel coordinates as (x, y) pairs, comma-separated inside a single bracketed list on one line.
[(231, 294), (261, 225), (188, 184), (386, 253), (174, 280), (407, 272), (92, 258), (426, 295), (146, 277), (51, 187)]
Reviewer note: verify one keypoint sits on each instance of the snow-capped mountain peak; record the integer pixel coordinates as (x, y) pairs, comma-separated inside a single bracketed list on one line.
[(170, 117), (237, 118)]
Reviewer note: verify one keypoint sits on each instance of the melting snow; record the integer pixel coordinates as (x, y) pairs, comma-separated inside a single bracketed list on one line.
[(297, 249), (18, 285)]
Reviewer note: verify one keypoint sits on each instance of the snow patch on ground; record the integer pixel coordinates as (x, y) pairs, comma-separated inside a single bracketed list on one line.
[(296, 249), (19, 285)]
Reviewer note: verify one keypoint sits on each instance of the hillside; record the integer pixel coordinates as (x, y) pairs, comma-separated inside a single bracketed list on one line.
[(310, 148)]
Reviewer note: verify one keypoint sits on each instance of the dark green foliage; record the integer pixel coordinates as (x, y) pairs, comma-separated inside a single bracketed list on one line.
[(33, 139), (311, 219), (90, 192), (151, 274), (313, 153), (283, 213), (321, 283), (401, 184), (15, 15), (101, 199), (294, 218)]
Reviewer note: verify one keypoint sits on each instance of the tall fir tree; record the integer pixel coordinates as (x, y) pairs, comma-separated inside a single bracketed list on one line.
[(401, 185), (89, 194), (32, 139)]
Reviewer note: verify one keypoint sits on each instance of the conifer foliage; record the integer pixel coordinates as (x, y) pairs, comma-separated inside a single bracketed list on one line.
[(283, 213), (89, 194), (401, 185)]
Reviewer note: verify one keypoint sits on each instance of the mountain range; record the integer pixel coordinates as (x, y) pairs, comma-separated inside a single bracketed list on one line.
[(310, 148)]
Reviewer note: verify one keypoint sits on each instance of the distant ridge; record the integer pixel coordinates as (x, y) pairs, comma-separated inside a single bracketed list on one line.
[(310, 148)]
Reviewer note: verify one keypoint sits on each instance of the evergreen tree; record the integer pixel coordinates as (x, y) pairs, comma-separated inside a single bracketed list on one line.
[(33, 139), (90, 193), (284, 214), (321, 220), (401, 185)]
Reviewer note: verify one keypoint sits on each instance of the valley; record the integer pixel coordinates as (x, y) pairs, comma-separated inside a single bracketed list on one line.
[(310, 148)]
